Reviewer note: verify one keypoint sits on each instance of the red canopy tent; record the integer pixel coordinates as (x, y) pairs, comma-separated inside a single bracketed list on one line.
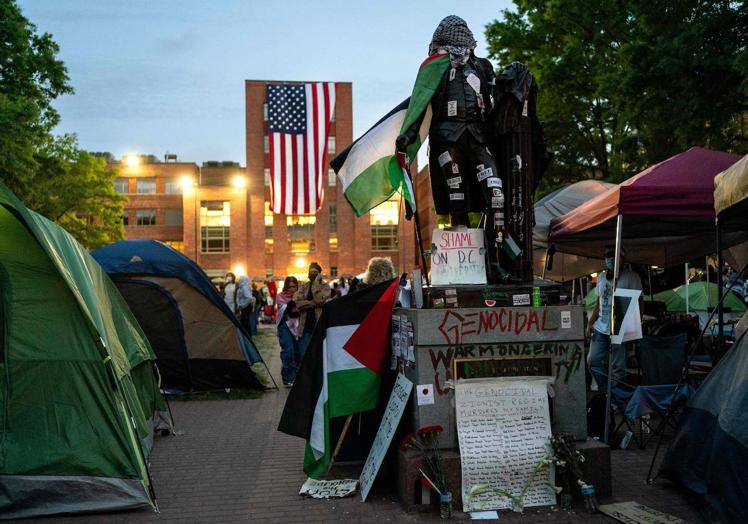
[(666, 211)]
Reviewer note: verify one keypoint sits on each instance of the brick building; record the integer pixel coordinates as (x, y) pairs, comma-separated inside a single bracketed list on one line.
[(226, 209)]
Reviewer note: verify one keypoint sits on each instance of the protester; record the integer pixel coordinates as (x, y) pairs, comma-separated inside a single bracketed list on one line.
[(343, 287), (380, 269), (288, 322), (599, 322), (335, 292), (255, 311), (354, 282), (309, 300), (244, 303), (229, 291)]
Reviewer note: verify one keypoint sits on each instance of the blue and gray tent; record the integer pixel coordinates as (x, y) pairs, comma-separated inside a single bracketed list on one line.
[(198, 341)]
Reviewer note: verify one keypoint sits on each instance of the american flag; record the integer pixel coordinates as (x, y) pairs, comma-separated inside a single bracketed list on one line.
[(298, 124)]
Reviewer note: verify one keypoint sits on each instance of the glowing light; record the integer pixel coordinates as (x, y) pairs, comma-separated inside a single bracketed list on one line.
[(300, 262), (239, 270), (187, 182), (593, 275), (131, 160), (239, 182)]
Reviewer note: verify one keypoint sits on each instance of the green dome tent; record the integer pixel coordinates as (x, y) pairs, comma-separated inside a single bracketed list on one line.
[(78, 393), (702, 296)]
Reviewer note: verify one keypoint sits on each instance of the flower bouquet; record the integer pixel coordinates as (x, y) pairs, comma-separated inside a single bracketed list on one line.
[(426, 441), (568, 461)]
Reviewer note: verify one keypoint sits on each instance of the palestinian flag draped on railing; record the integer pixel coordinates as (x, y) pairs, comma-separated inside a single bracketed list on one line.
[(368, 168), (342, 369)]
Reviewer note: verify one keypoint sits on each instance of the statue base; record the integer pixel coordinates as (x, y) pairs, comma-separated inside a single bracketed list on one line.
[(498, 295)]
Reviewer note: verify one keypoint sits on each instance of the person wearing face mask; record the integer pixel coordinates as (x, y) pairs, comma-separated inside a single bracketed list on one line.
[(309, 300), (598, 326)]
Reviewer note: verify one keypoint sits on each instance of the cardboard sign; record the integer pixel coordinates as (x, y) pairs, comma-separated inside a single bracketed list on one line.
[(635, 513), (457, 257), (628, 319), (504, 430), (390, 420), (327, 489)]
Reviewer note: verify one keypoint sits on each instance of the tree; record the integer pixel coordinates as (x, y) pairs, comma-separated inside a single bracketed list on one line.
[(49, 174), (627, 84)]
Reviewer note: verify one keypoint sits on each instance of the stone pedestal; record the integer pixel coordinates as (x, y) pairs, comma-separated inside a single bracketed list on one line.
[(596, 466)]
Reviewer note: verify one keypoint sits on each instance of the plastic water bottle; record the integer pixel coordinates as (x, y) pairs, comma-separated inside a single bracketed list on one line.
[(626, 440), (590, 501), (445, 505), (536, 296)]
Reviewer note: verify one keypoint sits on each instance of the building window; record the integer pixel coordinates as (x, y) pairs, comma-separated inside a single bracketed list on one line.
[(173, 217), (301, 233), (125, 217), (265, 112), (146, 186), (333, 218), (332, 178), (122, 185), (384, 220), (330, 145), (145, 217), (267, 176), (333, 242), (334, 111), (333, 271), (176, 244), (266, 144), (215, 226), (268, 229), (173, 186)]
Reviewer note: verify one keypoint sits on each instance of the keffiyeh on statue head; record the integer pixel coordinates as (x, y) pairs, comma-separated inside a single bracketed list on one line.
[(453, 36)]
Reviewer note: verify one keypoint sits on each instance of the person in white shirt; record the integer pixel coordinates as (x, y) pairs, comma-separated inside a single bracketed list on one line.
[(229, 291), (598, 325)]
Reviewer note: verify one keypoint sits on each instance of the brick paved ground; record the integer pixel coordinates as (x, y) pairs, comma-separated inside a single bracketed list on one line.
[(231, 465)]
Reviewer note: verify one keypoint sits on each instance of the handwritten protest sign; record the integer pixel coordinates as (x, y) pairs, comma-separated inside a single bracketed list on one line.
[(457, 257), (327, 489), (390, 420), (635, 513), (504, 430)]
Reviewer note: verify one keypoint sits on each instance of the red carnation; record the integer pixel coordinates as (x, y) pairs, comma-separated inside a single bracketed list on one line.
[(406, 441), (430, 429)]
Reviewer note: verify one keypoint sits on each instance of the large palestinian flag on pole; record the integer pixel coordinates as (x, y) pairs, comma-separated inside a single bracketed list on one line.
[(342, 369), (368, 168)]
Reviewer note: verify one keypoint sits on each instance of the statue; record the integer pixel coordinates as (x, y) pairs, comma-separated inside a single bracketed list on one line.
[(465, 175)]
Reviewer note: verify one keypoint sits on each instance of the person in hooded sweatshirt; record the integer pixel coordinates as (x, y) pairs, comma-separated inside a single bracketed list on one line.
[(244, 302)]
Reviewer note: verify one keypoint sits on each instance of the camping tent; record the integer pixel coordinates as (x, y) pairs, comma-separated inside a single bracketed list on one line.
[(702, 296), (731, 206), (709, 452), (78, 393), (558, 203), (667, 213), (199, 342)]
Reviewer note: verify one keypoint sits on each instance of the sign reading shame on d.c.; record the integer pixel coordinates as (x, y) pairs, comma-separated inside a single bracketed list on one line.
[(457, 257)]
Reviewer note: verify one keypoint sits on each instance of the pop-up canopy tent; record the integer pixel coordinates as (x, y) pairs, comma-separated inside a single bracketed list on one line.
[(709, 452), (666, 213), (198, 341), (565, 266), (78, 392), (731, 206)]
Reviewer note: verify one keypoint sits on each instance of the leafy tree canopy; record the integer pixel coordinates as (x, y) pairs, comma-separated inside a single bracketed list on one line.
[(627, 84), (51, 175)]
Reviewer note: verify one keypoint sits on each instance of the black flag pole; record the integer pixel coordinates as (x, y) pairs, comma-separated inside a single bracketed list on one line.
[(402, 159)]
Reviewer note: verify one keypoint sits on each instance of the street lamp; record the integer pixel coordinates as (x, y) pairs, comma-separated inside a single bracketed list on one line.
[(239, 182)]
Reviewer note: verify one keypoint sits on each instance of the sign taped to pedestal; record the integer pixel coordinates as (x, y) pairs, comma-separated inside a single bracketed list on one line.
[(504, 430), (457, 257)]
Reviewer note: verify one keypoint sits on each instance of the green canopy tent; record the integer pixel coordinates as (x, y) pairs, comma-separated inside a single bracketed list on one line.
[(78, 394), (702, 296)]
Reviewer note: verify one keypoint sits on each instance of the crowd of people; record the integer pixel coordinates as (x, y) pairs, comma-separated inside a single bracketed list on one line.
[(296, 308)]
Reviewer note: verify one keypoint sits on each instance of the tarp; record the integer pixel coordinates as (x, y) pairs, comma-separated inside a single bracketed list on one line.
[(668, 213), (556, 204), (709, 452), (731, 203), (199, 342), (78, 393)]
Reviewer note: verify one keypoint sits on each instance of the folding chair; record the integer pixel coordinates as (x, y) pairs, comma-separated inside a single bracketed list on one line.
[(661, 360)]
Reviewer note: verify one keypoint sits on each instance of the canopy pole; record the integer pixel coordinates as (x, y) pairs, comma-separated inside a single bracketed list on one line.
[(706, 270), (573, 289), (649, 281), (688, 312), (616, 270), (545, 262), (720, 262)]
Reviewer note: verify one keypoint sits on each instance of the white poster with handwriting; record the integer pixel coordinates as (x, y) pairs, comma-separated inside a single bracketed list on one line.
[(504, 430), (457, 257), (392, 414)]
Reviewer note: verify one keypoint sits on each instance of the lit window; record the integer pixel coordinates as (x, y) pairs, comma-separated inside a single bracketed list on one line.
[(266, 144), (267, 176), (215, 226), (386, 213), (146, 186), (333, 242), (122, 185), (145, 217), (301, 233), (333, 218), (173, 217), (383, 238), (330, 145), (331, 178), (265, 112), (173, 186), (125, 217), (176, 244)]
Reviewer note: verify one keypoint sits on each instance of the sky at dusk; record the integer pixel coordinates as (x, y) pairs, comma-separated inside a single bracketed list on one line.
[(152, 76)]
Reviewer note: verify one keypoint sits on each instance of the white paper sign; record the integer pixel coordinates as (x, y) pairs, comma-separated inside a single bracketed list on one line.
[(326, 489), (457, 257), (631, 324), (565, 319), (425, 394), (635, 513), (390, 420), (504, 430)]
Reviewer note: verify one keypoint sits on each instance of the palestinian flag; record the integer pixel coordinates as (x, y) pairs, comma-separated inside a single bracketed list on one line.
[(341, 370), (368, 169)]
